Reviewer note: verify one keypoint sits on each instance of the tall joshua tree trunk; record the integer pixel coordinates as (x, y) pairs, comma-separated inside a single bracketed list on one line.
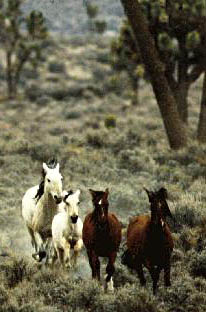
[(201, 131), (174, 126)]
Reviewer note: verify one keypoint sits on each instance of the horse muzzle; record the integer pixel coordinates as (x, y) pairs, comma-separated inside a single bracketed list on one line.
[(57, 199), (74, 219)]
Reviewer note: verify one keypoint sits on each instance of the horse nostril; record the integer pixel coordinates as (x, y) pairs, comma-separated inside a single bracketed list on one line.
[(74, 219), (57, 199)]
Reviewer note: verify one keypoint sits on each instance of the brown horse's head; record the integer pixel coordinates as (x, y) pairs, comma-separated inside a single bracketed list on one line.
[(100, 202), (163, 196), (156, 206)]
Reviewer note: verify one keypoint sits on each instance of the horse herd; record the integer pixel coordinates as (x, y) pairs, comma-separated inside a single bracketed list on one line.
[(58, 233)]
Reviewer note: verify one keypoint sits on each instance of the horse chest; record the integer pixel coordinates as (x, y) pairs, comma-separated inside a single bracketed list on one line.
[(103, 241), (45, 211), (71, 235)]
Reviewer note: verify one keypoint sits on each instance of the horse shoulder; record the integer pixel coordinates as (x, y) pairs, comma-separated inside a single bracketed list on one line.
[(79, 227), (58, 227), (29, 204), (137, 232), (113, 218), (168, 236)]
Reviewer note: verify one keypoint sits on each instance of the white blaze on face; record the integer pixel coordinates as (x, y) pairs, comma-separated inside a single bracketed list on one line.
[(53, 181), (100, 202), (72, 202), (162, 223)]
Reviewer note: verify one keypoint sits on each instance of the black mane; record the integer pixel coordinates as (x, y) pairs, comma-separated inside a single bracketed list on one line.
[(52, 162)]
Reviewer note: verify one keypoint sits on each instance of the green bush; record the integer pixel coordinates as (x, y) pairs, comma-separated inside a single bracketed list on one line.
[(57, 68), (198, 264), (110, 121)]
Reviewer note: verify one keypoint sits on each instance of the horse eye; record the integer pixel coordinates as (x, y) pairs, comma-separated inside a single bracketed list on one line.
[(48, 180), (78, 203)]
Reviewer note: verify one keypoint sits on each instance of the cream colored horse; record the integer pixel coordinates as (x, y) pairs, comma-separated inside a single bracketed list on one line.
[(67, 230), (38, 211)]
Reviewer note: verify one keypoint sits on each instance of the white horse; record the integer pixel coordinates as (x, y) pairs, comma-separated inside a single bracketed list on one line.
[(39, 205), (67, 230)]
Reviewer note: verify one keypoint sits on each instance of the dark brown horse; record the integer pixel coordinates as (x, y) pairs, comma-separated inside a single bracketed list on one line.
[(101, 236), (149, 241)]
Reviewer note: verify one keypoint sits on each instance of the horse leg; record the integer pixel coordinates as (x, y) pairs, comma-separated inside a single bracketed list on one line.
[(77, 248), (33, 240), (167, 273), (140, 273), (54, 257), (110, 269), (155, 273), (60, 255), (49, 249), (67, 249), (94, 264)]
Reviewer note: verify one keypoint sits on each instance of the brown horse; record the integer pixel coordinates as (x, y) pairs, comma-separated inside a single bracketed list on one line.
[(149, 241), (101, 236)]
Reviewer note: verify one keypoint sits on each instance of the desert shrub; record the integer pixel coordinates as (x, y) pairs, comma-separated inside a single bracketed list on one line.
[(42, 152), (128, 298), (3, 295), (123, 142), (96, 139), (43, 100), (137, 160), (122, 276), (181, 297), (58, 94), (33, 92), (29, 73), (198, 264), (114, 84), (56, 67), (84, 295), (100, 26), (15, 271), (62, 93), (189, 210), (57, 131), (110, 121), (187, 238), (72, 115), (22, 147)]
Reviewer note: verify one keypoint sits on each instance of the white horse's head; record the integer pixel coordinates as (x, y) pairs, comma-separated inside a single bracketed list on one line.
[(53, 182), (72, 204)]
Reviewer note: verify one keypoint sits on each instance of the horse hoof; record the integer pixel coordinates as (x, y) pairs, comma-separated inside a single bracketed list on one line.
[(39, 256)]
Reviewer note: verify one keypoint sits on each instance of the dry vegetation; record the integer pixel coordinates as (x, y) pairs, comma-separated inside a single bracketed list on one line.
[(76, 109)]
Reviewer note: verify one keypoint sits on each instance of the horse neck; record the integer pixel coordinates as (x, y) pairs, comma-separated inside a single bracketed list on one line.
[(98, 219), (49, 207), (155, 225)]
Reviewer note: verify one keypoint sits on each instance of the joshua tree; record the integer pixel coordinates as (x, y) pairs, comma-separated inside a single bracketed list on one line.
[(166, 101), (95, 24), (178, 28), (21, 38)]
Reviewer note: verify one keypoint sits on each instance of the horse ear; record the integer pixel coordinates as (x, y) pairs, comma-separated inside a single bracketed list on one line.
[(149, 193), (64, 195), (45, 168), (106, 193), (92, 192), (57, 166), (78, 192), (163, 193)]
